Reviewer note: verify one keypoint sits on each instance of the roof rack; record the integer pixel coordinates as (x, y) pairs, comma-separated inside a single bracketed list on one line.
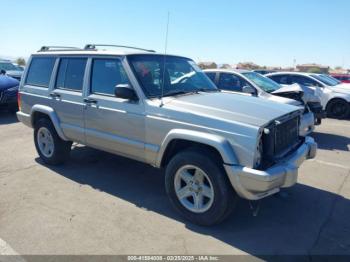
[(93, 47), (58, 48)]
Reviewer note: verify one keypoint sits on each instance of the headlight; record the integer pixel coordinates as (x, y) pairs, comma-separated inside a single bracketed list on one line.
[(15, 88), (259, 151)]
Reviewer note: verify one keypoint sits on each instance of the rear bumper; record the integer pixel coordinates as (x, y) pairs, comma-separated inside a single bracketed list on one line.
[(24, 118), (255, 184)]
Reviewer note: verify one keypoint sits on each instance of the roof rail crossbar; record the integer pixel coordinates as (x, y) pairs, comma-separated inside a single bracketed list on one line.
[(58, 48), (93, 47)]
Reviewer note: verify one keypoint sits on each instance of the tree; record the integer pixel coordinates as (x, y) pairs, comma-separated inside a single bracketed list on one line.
[(338, 68), (20, 61), (207, 65)]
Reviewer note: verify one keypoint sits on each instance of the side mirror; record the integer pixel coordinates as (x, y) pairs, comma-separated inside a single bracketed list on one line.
[(2, 72), (249, 90), (125, 91)]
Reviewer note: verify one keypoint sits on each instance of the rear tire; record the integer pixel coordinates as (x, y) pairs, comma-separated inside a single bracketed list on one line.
[(50, 147), (338, 108), (196, 176)]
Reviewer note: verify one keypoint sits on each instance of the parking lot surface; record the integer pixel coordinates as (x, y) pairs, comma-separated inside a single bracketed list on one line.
[(98, 203)]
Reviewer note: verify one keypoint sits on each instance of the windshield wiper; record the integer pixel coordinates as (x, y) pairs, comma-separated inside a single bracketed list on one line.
[(208, 90), (176, 92), (195, 91)]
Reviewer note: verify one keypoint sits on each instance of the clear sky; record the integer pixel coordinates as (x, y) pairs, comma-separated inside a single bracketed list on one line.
[(267, 32)]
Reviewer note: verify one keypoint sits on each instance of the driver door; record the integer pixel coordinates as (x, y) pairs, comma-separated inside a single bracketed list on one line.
[(113, 124)]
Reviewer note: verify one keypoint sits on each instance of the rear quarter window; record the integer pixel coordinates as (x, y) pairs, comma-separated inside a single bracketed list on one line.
[(40, 71)]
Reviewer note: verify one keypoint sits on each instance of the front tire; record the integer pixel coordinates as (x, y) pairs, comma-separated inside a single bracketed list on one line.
[(198, 187), (50, 147), (338, 108)]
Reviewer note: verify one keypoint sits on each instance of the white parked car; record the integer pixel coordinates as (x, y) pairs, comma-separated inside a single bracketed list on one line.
[(252, 83), (334, 96)]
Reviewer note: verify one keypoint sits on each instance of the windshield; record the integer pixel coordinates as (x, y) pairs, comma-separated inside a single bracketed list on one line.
[(8, 66), (326, 80), (263, 82), (333, 79), (181, 75)]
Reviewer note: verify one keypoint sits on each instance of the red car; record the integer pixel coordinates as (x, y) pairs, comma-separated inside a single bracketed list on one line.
[(342, 77)]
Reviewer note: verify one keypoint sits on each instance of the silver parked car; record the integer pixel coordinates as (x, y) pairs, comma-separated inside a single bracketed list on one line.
[(213, 146), (252, 83)]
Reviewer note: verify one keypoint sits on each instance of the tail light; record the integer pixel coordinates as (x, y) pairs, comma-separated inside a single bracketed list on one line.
[(19, 101)]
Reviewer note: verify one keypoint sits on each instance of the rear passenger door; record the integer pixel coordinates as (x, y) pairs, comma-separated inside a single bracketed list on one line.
[(113, 124), (37, 82), (67, 95)]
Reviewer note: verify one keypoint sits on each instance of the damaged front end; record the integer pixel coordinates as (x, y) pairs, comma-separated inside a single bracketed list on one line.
[(306, 96)]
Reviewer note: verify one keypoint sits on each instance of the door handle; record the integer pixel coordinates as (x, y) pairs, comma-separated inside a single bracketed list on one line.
[(90, 101), (55, 95)]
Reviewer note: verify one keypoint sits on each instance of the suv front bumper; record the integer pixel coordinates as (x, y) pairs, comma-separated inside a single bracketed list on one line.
[(255, 184)]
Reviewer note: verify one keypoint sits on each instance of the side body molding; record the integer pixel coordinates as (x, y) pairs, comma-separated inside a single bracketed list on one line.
[(53, 116), (219, 143)]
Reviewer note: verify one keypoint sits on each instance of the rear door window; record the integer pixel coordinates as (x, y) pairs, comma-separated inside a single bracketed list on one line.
[(71, 74), (40, 71), (106, 75)]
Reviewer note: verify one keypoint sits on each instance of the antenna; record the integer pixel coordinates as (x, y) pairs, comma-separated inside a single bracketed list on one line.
[(165, 52)]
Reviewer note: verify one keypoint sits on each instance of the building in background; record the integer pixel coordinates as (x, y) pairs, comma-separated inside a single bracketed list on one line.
[(313, 68)]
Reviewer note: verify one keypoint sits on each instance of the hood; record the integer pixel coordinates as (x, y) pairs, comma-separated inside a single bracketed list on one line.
[(341, 88), (7, 82), (306, 94), (288, 89), (294, 93), (230, 107), (280, 98)]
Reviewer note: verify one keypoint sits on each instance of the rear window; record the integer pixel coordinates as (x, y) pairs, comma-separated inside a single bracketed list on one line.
[(40, 71), (71, 74)]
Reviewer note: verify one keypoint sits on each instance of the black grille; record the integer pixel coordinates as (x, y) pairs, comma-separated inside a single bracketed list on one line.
[(286, 135), (280, 140)]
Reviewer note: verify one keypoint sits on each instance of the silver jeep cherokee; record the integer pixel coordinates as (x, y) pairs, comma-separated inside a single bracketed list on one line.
[(128, 101)]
